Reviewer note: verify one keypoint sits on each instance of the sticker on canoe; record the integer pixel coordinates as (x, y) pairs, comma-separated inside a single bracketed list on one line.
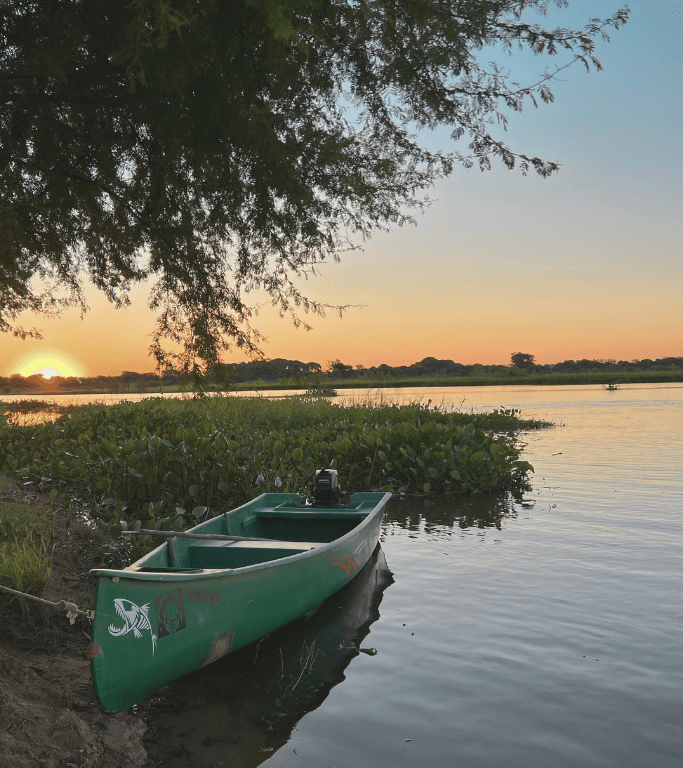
[(206, 596), (347, 563), (136, 619), (170, 612)]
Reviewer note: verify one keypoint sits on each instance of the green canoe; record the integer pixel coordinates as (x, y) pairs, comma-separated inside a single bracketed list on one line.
[(244, 708), (193, 600)]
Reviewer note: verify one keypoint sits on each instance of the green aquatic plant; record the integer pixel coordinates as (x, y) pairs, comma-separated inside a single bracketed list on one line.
[(168, 464), (315, 392)]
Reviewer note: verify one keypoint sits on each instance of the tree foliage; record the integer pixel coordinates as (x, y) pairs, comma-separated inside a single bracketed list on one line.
[(522, 360), (226, 146)]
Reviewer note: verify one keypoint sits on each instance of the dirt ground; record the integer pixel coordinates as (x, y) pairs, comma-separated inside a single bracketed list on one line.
[(49, 717)]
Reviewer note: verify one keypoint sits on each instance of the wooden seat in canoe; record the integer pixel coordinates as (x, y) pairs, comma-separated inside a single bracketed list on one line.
[(239, 554), (313, 513)]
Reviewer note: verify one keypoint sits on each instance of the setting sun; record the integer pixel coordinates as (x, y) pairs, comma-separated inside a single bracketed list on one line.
[(48, 367)]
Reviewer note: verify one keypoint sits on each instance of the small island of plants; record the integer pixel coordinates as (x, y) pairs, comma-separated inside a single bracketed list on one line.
[(167, 464)]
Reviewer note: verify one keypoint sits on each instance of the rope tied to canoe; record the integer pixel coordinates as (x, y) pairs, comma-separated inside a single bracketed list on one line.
[(72, 610)]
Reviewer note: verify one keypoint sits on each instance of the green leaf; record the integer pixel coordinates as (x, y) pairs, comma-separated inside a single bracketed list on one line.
[(193, 490)]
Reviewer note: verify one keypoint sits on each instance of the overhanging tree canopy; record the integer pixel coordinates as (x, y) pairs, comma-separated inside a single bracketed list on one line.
[(224, 146)]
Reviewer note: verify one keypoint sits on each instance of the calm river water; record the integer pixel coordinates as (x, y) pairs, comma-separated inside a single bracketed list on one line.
[(539, 631)]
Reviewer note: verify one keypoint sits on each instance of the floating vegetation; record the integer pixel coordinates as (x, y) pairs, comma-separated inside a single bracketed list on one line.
[(324, 390), (28, 411), (29, 405), (167, 464)]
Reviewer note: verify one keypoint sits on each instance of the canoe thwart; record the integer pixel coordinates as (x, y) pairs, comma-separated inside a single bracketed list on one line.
[(187, 535), (201, 556), (313, 514)]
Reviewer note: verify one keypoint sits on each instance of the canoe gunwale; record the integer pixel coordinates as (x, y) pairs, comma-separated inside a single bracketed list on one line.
[(321, 550)]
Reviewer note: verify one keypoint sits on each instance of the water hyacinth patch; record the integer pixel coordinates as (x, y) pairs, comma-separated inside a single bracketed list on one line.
[(170, 463)]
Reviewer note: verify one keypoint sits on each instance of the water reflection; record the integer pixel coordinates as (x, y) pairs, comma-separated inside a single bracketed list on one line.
[(27, 412), (433, 513), (242, 709)]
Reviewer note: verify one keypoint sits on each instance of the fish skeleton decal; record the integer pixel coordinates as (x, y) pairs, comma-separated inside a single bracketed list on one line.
[(136, 618)]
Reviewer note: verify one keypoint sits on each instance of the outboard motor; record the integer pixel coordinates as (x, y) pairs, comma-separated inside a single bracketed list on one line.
[(325, 490)]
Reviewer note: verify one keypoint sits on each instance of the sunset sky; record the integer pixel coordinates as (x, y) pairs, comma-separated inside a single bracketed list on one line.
[(586, 264)]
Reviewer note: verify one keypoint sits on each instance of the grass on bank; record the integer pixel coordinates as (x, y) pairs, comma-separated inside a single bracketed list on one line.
[(516, 378), (170, 463), (25, 538)]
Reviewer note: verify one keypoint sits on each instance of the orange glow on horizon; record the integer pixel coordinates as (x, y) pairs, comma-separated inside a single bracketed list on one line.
[(48, 367)]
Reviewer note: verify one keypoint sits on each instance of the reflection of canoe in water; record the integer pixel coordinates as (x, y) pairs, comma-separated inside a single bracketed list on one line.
[(243, 575), (239, 711)]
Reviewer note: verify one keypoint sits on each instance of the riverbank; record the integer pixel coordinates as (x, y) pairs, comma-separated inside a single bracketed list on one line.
[(515, 379), (48, 715)]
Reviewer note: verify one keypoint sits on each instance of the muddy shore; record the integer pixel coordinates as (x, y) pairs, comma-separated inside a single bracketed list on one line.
[(49, 717)]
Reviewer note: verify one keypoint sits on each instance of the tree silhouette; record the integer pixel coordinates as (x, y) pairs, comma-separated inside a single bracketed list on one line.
[(522, 360)]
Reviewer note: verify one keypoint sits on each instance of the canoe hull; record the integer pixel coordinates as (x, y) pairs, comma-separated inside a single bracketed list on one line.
[(151, 628)]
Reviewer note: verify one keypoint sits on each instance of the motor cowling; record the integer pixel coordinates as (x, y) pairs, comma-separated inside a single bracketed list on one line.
[(325, 490)]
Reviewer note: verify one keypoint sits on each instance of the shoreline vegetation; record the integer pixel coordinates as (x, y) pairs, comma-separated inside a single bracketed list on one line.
[(180, 454), (168, 464), (281, 374)]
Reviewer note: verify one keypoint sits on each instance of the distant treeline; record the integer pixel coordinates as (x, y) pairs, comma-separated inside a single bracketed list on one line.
[(522, 364), (303, 375)]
